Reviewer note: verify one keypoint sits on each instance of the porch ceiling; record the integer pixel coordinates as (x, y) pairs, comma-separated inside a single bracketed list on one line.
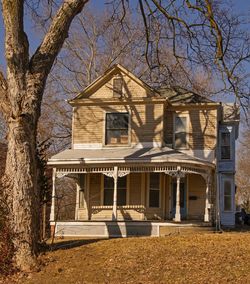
[(123, 156)]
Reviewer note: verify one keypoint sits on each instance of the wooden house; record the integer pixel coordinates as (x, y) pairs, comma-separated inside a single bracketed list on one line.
[(146, 159)]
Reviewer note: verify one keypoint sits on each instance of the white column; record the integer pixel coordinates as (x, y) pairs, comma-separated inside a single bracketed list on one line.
[(206, 215), (177, 207), (77, 197), (115, 176), (52, 209)]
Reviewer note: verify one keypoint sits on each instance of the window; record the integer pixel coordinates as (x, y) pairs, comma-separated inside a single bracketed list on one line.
[(116, 128), (225, 146), (154, 190), (180, 132), (109, 190), (117, 87), (82, 190), (227, 195)]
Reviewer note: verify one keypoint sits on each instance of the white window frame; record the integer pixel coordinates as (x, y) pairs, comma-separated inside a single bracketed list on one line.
[(129, 129), (148, 190), (231, 180), (186, 115)]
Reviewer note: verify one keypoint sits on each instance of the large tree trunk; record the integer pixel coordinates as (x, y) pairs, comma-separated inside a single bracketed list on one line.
[(20, 101), (22, 189)]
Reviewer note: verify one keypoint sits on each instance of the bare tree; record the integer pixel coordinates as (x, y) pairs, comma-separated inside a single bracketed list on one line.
[(21, 96), (203, 34), (243, 168)]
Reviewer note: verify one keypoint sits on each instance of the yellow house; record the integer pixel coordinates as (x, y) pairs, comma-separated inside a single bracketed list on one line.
[(144, 159)]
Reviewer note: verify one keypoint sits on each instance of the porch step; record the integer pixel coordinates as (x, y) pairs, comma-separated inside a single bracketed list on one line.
[(167, 230)]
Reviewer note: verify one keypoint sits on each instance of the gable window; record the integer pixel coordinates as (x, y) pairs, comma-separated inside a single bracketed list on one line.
[(116, 128), (227, 188), (117, 87), (109, 190), (154, 190), (225, 146), (180, 135)]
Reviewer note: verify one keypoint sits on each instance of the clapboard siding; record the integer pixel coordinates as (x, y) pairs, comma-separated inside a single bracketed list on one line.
[(130, 89), (146, 122), (197, 189), (135, 189), (202, 127)]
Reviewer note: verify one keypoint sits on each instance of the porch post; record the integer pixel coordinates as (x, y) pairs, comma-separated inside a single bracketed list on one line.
[(177, 207), (115, 176), (206, 215), (52, 208)]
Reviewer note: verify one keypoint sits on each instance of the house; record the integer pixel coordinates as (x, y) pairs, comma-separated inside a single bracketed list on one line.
[(146, 159)]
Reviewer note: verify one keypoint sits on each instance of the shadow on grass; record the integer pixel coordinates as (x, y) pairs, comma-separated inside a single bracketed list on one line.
[(67, 244)]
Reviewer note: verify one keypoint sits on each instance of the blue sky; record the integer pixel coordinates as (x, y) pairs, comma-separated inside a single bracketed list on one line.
[(242, 6)]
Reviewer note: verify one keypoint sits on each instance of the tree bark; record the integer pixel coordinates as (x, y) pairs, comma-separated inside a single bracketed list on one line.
[(20, 101)]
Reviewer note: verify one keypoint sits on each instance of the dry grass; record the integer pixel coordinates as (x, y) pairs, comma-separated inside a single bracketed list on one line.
[(206, 258)]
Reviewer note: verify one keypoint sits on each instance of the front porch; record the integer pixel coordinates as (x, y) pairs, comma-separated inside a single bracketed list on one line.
[(121, 185)]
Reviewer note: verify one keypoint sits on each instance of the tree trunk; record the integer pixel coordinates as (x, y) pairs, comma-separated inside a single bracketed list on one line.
[(22, 190), (20, 100)]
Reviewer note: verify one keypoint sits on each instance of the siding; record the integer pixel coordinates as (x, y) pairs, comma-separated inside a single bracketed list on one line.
[(146, 122), (196, 188), (135, 189), (202, 127), (130, 89)]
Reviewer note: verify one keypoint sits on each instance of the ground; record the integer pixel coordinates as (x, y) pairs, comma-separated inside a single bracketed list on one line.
[(196, 258)]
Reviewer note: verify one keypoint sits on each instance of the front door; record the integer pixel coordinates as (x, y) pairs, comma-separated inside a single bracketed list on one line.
[(183, 198)]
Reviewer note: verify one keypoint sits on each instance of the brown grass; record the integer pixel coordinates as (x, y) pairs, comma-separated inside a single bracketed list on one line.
[(207, 258)]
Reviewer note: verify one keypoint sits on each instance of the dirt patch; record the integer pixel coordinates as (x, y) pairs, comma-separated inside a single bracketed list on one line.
[(206, 258)]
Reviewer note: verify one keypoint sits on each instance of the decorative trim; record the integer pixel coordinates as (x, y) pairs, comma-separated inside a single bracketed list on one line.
[(87, 146)]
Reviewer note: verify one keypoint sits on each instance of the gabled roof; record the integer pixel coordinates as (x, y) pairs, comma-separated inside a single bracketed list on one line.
[(181, 95), (101, 80)]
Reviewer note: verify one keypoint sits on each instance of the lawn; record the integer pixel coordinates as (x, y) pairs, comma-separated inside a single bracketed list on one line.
[(204, 258)]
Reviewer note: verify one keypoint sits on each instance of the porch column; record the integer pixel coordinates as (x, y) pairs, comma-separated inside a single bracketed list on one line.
[(52, 208), (115, 176), (177, 217), (207, 205)]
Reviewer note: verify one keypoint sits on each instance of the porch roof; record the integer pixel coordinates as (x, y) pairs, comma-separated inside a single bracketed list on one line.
[(123, 156)]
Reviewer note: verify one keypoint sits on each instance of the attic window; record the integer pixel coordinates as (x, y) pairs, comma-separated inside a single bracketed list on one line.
[(117, 87)]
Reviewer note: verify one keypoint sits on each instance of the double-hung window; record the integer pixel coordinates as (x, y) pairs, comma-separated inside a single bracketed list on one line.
[(109, 190), (227, 189), (225, 148), (180, 135), (117, 125), (154, 190)]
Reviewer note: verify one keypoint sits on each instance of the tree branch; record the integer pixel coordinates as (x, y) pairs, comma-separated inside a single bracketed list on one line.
[(43, 58)]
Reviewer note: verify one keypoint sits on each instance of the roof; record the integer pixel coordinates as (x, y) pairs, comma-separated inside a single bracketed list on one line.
[(101, 80), (181, 95), (118, 155)]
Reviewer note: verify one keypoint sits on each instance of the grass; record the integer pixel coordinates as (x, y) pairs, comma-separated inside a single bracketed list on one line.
[(204, 258)]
